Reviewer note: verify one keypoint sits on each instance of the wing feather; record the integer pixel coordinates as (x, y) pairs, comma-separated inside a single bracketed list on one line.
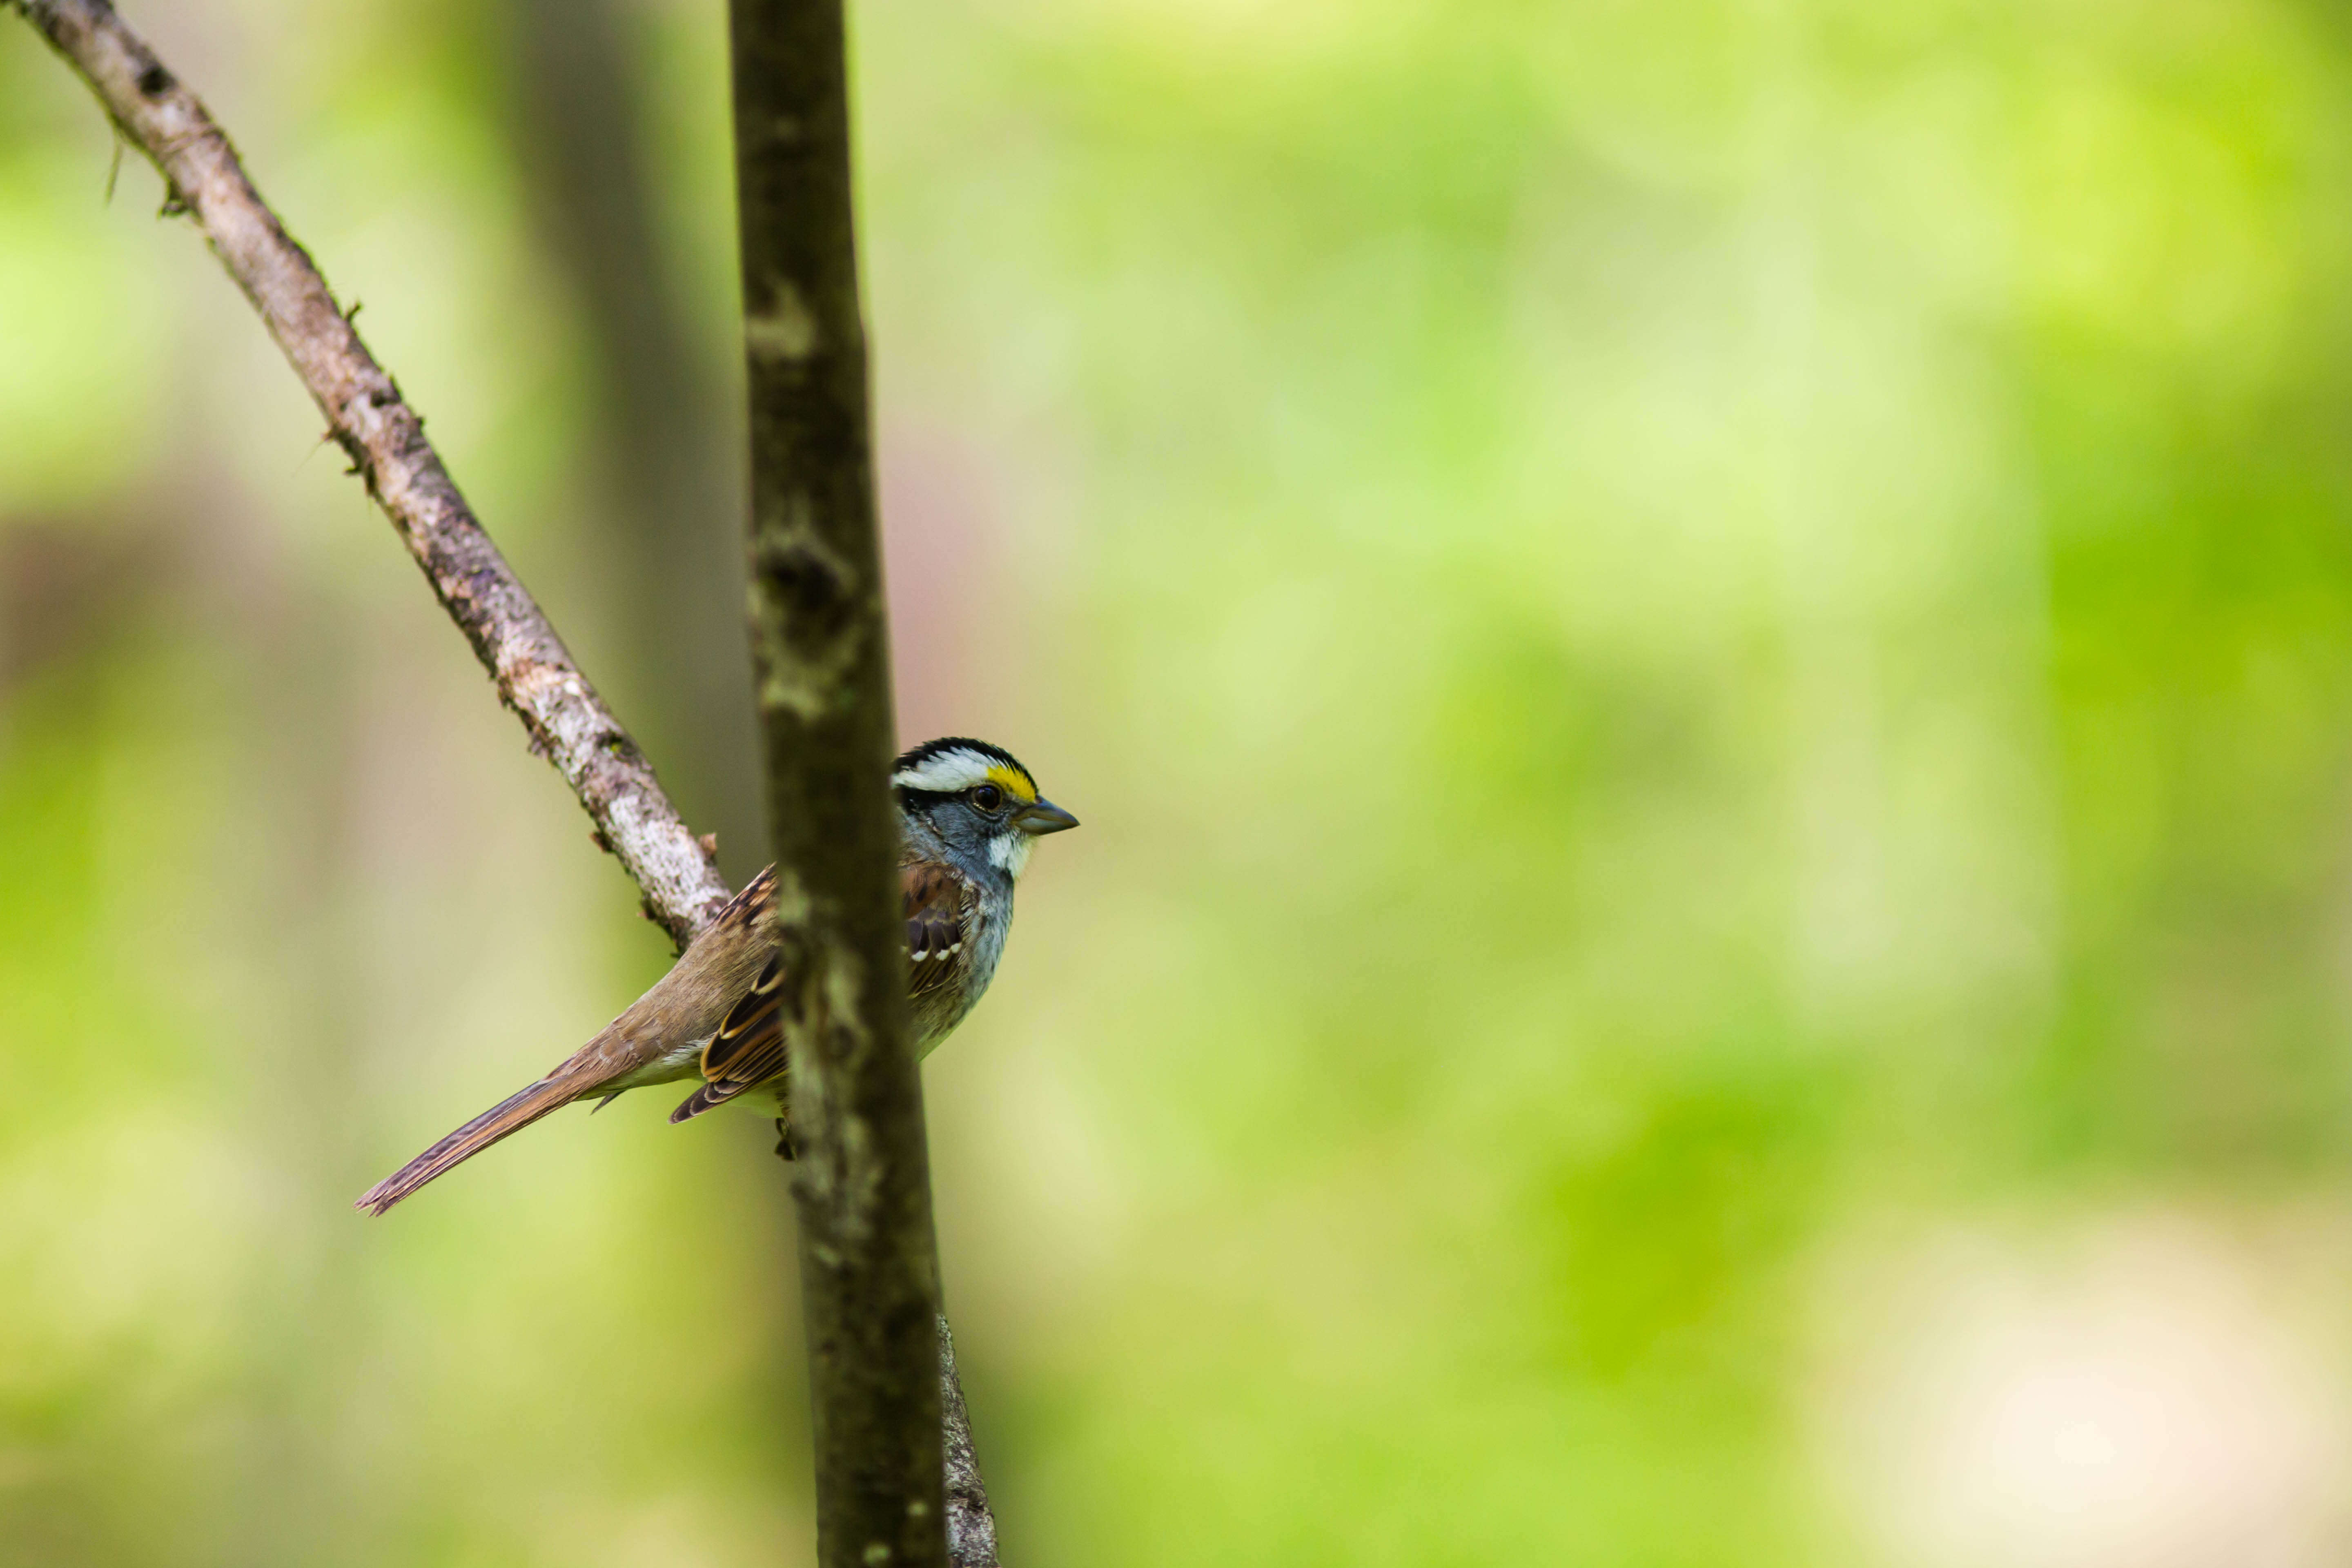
[(939, 907), (749, 1049)]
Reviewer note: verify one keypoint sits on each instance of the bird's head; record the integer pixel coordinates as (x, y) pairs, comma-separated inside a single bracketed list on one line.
[(978, 798)]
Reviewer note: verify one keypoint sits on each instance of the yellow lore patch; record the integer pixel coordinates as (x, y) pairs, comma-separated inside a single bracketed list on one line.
[(1015, 782)]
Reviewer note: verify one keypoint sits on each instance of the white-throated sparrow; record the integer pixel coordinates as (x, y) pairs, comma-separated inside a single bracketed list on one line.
[(969, 813)]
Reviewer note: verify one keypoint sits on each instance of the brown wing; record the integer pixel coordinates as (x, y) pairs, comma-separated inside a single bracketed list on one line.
[(749, 1049), (939, 910)]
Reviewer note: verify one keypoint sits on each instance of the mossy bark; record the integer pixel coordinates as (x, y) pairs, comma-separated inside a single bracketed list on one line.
[(822, 675)]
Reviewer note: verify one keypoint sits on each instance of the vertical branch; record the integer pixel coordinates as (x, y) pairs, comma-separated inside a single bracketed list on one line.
[(820, 653), (882, 1363)]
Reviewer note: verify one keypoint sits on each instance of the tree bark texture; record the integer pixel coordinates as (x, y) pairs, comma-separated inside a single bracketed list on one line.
[(821, 679), (823, 691), (568, 723), (971, 1528), (658, 483)]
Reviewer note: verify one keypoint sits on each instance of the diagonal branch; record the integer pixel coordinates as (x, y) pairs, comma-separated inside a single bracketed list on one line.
[(565, 719), (971, 1528), (366, 416)]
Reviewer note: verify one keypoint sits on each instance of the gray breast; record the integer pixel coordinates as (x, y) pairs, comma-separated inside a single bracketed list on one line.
[(938, 1013)]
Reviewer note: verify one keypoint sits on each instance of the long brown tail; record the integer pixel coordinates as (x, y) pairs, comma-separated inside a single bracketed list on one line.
[(511, 1114)]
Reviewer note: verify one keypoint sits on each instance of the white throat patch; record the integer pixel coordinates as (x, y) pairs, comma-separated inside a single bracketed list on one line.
[(1009, 852)]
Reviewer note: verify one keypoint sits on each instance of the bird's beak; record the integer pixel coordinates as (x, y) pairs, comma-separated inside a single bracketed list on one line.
[(1042, 819)]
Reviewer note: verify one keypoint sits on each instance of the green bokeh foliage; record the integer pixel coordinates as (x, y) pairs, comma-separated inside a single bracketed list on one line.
[(1694, 639)]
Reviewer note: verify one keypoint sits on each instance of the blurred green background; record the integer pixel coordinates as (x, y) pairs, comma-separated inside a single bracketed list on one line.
[(1708, 652)]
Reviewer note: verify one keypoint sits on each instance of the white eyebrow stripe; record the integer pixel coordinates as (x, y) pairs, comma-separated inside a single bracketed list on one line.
[(947, 773)]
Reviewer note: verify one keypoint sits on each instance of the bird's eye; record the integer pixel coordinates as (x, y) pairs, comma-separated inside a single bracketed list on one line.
[(988, 797)]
